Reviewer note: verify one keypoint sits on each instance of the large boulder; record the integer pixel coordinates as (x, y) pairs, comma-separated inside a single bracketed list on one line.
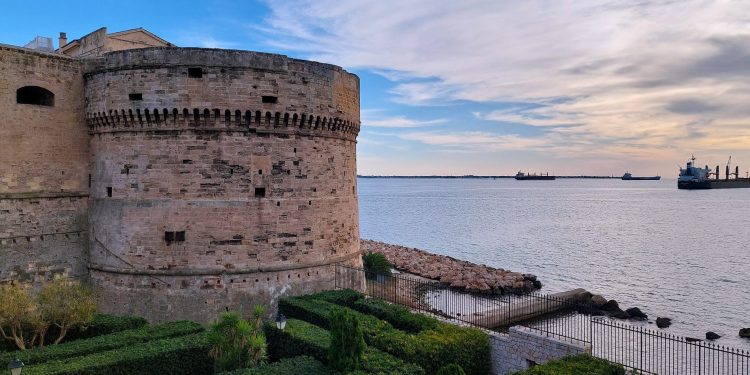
[(663, 322), (712, 336), (636, 313), (612, 308), (745, 332), (598, 300)]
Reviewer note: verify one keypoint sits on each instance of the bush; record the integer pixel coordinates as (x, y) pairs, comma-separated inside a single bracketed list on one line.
[(102, 343), (431, 349), (452, 369), (184, 355), (376, 264), (399, 316), (580, 364), (237, 343), (302, 338), (100, 325), (347, 345), (287, 366)]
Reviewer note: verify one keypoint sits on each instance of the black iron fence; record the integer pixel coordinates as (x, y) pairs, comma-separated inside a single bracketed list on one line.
[(570, 315)]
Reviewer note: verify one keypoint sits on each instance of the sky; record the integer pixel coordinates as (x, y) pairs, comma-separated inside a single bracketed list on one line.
[(485, 87)]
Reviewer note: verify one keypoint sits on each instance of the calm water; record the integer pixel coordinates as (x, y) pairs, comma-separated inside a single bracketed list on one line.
[(673, 253)]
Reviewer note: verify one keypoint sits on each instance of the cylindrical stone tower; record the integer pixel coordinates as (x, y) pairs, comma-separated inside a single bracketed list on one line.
[(220, 179)]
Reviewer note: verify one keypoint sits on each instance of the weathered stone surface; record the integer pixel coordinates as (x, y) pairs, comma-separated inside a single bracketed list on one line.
[(745, 332), (712, 336), (663, 322), (636, 314), (179, 196), (472, 277), (598, 300)]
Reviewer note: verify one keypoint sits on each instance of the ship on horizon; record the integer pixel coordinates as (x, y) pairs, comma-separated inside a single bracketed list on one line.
[(692, 177), (629, 177), (528, 176)]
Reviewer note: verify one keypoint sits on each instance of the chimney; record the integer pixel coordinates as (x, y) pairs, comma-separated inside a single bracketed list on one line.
[(63, 40)]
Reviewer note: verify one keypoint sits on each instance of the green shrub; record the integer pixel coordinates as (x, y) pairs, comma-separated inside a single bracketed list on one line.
[(376, 264), (431, 349), (101, 325), (452, 369), (184, 355), (102, 343), (580, 364), (237, 343), (287, 366), (347, 345), (302, 338), (399, 316)]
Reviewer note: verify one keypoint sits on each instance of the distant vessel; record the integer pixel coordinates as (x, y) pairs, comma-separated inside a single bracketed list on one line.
[(692, 177), (629, 177), (528, 176)]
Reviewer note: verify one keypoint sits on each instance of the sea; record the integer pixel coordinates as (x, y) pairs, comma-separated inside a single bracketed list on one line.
[(681, 254)]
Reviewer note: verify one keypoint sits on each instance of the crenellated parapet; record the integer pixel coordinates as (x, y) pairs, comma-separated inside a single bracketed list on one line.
[(221, 120)]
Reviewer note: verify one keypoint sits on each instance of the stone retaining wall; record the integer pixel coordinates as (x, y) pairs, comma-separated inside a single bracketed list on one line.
[(523, 347)]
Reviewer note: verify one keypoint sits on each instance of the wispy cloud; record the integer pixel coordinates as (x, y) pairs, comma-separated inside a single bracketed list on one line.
[(659, 78), (401, 122)]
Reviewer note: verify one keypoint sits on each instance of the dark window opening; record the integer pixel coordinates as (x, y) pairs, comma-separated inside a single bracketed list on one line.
[(89, 180), (169, 237), (109, 191), (136, 96), (35, 95), (195, 72), (260, 192), (179, 236), (260, 171), (278, 204), (268, 99)]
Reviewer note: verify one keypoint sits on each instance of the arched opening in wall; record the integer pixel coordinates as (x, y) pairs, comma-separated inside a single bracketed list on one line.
[(35, 95)]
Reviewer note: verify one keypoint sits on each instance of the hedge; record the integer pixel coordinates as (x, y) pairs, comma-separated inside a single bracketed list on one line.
[(102, 343), (580, 364), (399, 316), (431, 349), (185, 355), (287, 366), (302, 338), (101, 325)]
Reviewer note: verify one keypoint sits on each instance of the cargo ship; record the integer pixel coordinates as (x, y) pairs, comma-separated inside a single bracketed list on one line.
[(629, 177), (692, 177), (528, 176)]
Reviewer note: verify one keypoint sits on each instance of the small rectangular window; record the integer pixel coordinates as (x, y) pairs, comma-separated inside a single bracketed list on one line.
[(195, 72), (109, 191), (268, 99), (260, 171), (179, 236), (169, 237), (135, 96), (260, 192)]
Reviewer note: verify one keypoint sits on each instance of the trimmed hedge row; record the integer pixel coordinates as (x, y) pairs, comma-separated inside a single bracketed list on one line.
[(431, 349), (186, 355), (287, 366), (580, 364), (103, 343), (101, 325), (302, 338), (399, 316)]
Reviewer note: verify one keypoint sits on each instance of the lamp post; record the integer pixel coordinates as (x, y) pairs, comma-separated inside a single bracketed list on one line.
[(15, 367), (280, 321)]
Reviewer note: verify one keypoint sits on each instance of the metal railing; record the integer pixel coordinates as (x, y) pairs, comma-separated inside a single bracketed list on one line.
[(636, 348)]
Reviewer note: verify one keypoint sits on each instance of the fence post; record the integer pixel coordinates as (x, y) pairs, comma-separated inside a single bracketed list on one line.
[(640, 348)]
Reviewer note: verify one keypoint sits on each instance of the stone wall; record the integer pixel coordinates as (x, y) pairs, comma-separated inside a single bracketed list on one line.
[(230, 179), (43, 168), (523, 347)]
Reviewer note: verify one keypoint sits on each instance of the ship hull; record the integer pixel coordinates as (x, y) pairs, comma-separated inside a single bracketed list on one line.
[(656, 178), (546, 178), (714, 184)]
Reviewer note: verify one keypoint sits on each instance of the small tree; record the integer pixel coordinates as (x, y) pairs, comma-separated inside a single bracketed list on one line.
[(18, 312), (237, 343), (66, 304), (376, 264), (347, 342)]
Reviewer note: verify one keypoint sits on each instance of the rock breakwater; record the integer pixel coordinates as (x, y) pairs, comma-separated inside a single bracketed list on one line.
[(460, 274)]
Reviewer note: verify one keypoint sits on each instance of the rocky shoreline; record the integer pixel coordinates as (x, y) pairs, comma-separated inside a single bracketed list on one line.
[(460, 274)]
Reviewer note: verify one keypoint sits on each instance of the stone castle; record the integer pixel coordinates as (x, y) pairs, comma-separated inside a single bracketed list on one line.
[(179, 182)]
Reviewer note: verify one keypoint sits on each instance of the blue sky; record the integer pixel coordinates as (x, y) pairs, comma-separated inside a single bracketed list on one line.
[(485, 86)]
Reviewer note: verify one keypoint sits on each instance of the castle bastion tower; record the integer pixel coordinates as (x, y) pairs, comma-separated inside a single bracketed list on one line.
[(195, 180)]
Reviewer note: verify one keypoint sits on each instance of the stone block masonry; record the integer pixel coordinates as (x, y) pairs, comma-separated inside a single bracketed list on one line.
[(524, 347), (191, 180)]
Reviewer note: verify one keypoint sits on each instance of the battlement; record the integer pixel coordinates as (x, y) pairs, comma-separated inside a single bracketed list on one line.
[(218, 120)]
